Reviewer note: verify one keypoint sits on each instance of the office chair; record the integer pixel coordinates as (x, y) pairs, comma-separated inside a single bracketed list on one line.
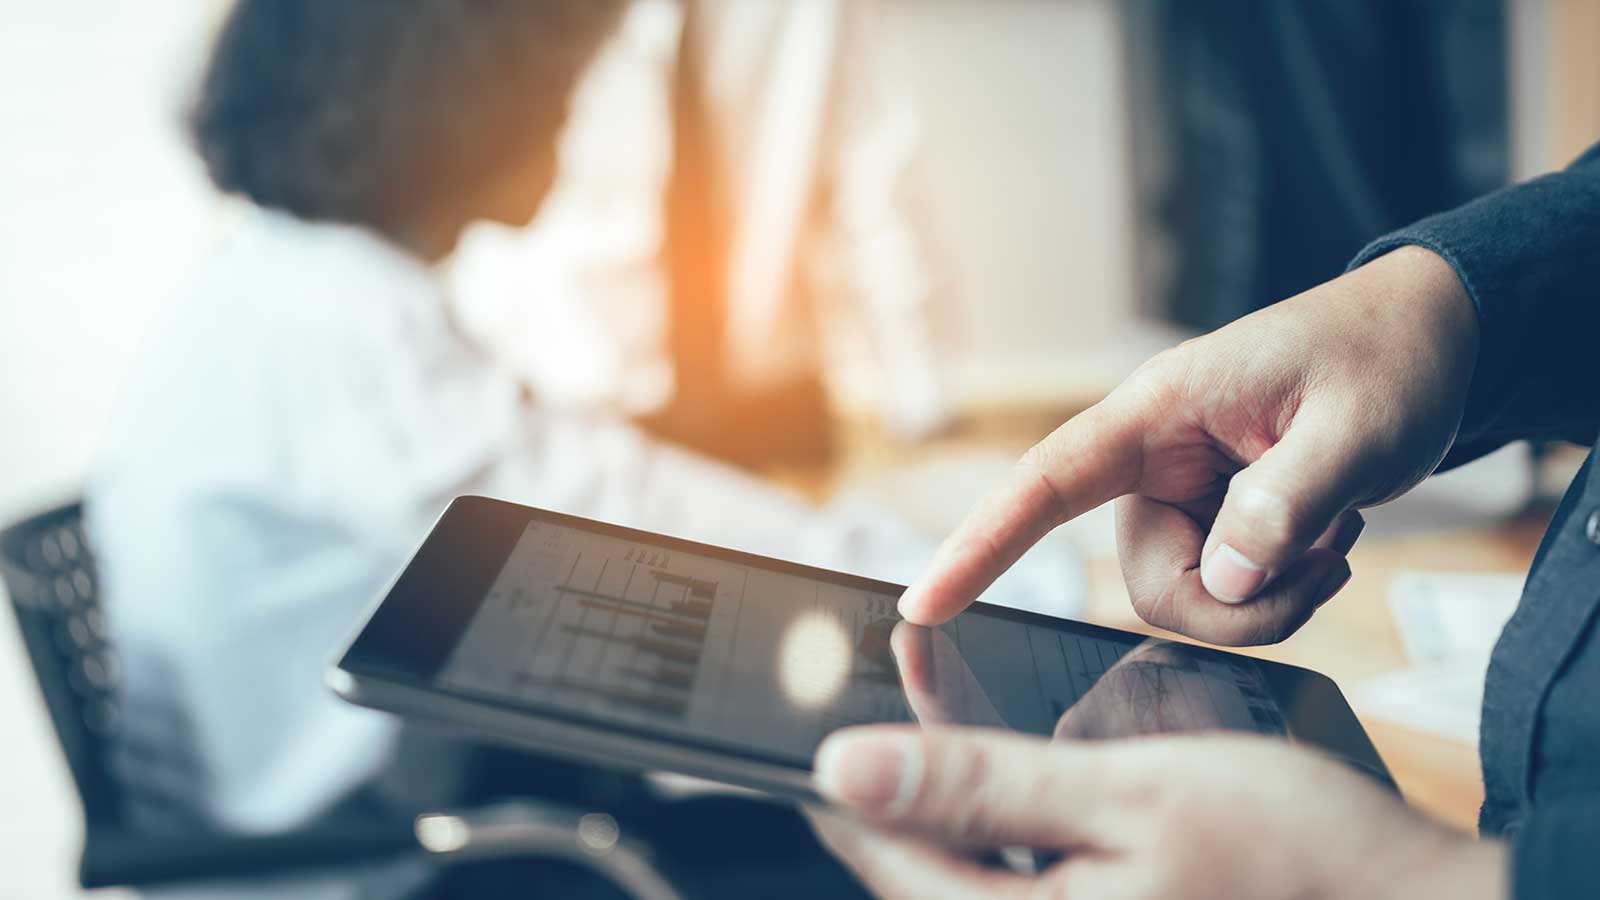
[(49, 571)]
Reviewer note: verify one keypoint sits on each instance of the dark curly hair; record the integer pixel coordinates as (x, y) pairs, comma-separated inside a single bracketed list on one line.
[(367, 110)]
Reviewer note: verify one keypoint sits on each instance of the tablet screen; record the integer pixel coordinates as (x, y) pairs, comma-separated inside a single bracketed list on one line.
[(766, 662)]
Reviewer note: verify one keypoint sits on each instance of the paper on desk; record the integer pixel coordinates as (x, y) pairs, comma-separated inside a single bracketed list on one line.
[(1448, 622), (1442, 699), (1444, 616)]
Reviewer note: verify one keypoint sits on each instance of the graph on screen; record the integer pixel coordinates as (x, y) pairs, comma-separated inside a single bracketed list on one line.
[(654, 640), (601, 625)]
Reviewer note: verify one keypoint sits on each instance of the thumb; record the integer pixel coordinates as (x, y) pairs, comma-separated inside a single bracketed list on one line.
[(1274, 510), (969, 786)]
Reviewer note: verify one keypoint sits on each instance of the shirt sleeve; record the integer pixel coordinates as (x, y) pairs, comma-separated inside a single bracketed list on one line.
[(1553, 855), (1529, 257)]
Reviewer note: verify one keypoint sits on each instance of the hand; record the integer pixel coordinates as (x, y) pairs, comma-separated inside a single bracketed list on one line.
[(1240, 457), (1176, 817)]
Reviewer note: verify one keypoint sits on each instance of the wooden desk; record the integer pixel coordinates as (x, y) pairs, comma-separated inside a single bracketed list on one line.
[(1349, 639)]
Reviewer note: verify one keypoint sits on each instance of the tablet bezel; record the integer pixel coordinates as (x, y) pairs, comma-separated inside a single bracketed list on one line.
[(392, 662)]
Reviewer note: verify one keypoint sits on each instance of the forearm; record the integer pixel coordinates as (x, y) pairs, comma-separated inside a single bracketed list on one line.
[(1529, 259)]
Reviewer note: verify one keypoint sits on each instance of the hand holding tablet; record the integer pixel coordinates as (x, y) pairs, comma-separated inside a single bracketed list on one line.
[(1196, 817)]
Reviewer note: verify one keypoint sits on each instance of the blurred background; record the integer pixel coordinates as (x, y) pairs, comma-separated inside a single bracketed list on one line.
[(1005, 207)]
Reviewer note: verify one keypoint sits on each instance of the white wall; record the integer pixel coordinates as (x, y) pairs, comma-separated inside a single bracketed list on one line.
[(1027, 166), (103, 212)]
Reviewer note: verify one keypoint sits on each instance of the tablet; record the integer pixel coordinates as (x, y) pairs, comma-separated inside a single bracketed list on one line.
[(637, 650)]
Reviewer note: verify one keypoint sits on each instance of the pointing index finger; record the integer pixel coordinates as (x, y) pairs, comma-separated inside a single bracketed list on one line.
[(1089, 460)]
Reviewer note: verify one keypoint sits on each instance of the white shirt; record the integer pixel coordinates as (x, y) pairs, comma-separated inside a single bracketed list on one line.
[(300, 420)]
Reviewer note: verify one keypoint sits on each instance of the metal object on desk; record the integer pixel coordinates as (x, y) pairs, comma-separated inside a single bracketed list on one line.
[(591, 839)]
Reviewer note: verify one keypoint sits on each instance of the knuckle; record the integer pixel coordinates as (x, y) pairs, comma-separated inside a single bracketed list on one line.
[(1168, 366), (994, 555), (1050, 467), (1038, 462), (1039, 456)]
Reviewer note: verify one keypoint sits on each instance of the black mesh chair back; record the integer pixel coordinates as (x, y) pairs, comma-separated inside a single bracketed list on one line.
[(125, 779), (50, 575)]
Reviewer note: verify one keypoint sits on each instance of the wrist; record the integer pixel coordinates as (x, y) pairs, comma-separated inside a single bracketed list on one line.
[(1422, 288), (1421, 338), (1442, 295)]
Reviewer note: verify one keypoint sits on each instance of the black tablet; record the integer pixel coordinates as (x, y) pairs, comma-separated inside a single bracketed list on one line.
[(637, 650)]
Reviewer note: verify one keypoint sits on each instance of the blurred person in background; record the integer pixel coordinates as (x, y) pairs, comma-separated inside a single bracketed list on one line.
[(735, 203), (1271, 141), (308, 408)]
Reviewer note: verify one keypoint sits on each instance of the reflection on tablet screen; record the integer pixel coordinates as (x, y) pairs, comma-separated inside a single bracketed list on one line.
[(685, 644)]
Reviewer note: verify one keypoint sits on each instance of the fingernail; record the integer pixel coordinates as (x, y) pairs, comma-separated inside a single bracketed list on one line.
[(876, 773), (1229, 576), (911, 607), (907, 600)]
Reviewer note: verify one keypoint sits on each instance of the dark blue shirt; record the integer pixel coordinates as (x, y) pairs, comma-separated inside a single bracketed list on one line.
[(1529, 256)]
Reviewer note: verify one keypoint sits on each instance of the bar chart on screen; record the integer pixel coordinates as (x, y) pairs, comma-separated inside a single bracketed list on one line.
[(648, 645), (598, 622), (678, 641)]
